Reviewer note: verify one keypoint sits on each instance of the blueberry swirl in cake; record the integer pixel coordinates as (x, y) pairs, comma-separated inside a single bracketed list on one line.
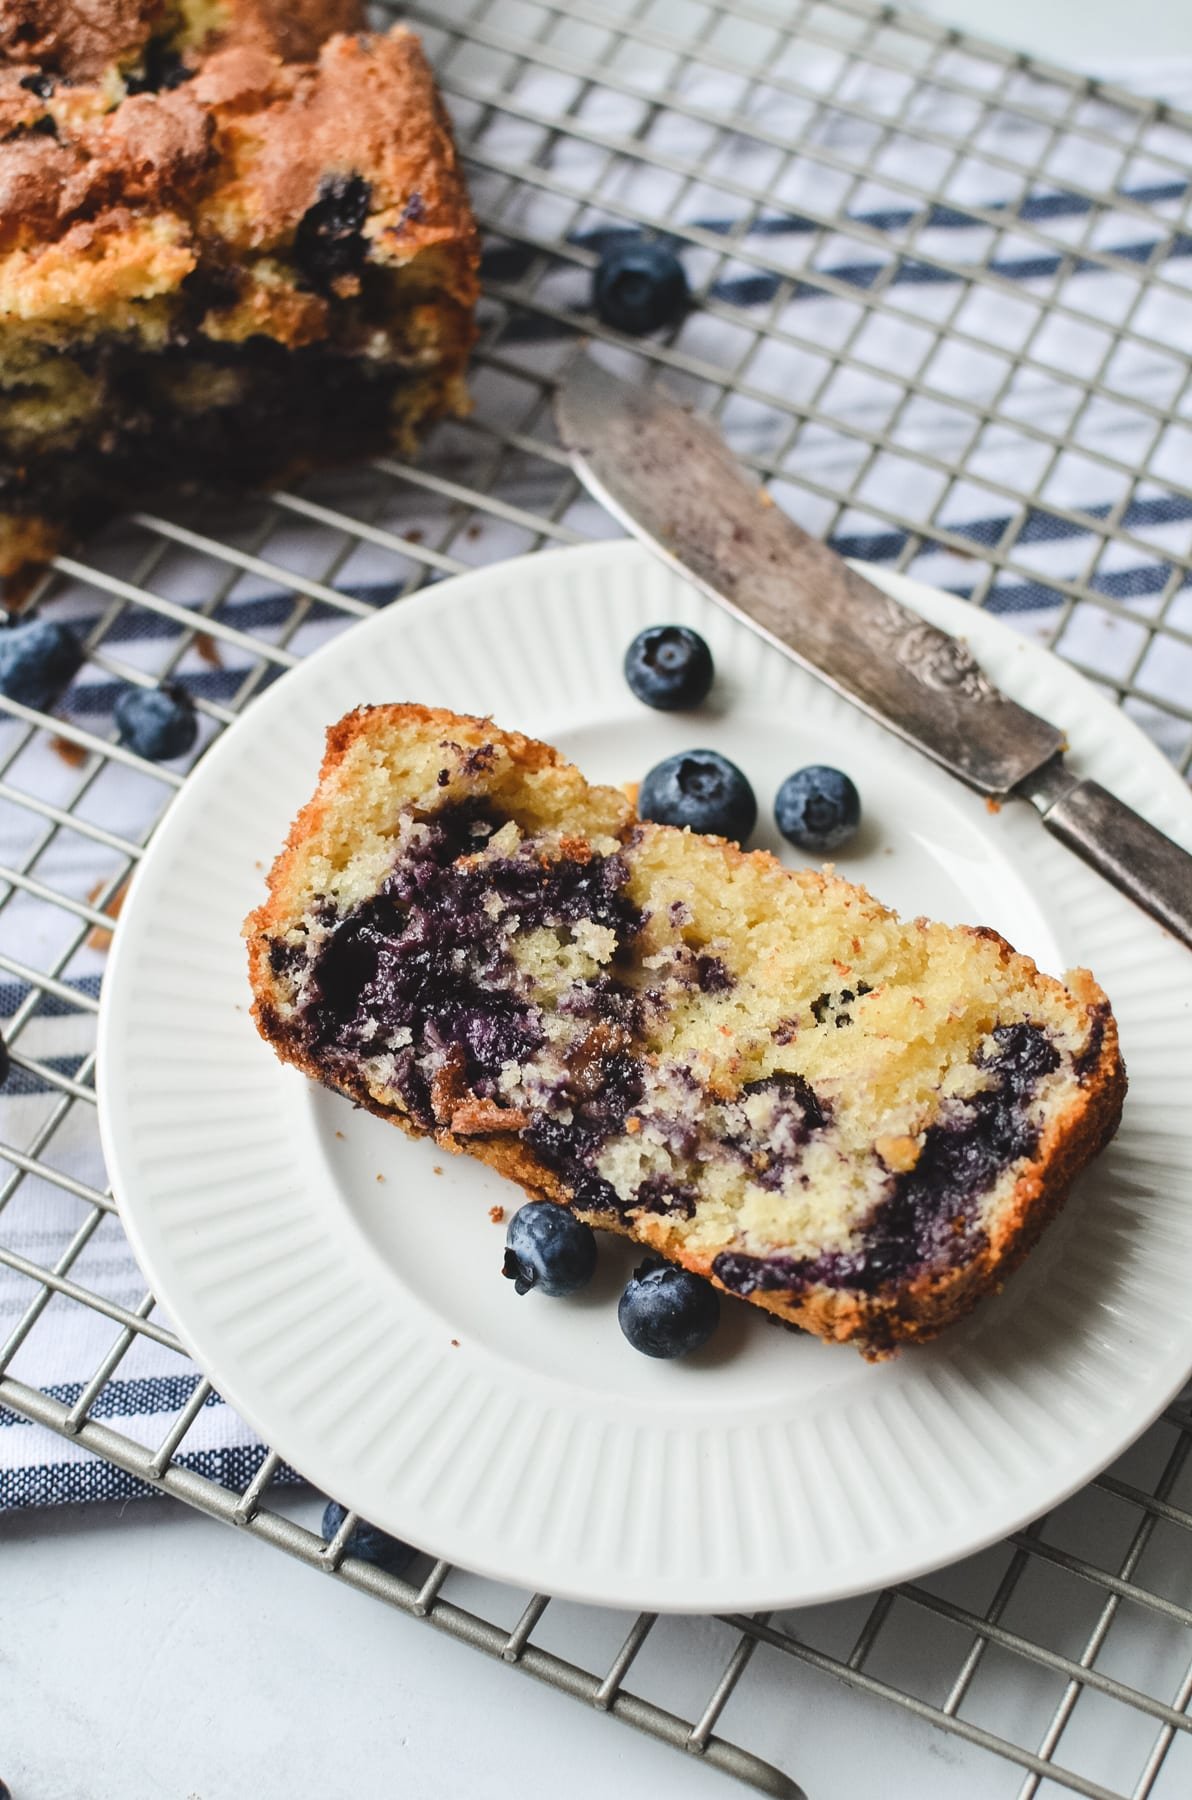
[(856, 1123), (234, 244)]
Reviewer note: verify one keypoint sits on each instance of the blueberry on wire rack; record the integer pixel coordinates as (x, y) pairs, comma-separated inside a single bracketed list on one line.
[(367, 1542), (639, 285), (38, 657), (156, 723)]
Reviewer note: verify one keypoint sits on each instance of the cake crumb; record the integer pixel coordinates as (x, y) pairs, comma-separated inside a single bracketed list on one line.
[(339, 1134), (495, 1213), (438, 1169), (100, 937), (207, 648), (992, 805), (481, 1118), (71, 753), (899, 1153), (380, 1178), (455, 1343)]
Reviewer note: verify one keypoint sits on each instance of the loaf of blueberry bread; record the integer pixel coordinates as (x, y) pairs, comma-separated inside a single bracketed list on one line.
[(234, 244), (859, 1124)]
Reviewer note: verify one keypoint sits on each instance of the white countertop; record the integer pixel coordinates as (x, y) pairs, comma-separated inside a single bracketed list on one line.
[(1083, 34), (148, 1653)]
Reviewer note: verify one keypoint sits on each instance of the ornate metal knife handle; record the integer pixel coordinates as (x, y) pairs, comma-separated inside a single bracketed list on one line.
[(1143, 862)]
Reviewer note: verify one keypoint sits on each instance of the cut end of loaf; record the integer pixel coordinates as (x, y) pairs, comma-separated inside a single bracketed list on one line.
[(857, 1123)]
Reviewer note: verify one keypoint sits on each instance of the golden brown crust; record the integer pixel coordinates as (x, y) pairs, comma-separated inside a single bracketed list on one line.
[(912, 1311), (167, 175), (291, 29), (238, 154), (79, 39)]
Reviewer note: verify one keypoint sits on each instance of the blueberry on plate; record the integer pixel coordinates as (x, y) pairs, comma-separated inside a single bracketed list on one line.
[(666, 1311), (37, 659), (669, 666), (639, 285), (156, 723), (702, 789), (548, 1248), (817, 808), (367, 1542)]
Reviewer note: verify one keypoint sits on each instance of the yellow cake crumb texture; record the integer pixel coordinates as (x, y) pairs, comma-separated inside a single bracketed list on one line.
[(886, 1020)]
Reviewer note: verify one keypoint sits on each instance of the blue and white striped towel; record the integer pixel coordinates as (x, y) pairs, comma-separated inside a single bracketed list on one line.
[(68, 1341)]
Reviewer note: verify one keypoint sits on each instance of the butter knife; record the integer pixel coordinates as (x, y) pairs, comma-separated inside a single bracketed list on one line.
[(669, 476)]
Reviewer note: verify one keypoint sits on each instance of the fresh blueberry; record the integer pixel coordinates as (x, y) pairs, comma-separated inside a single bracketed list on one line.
[(37, 659), (702, 789), (639, 285), (156, 723), (5, 1791), (367, 1542), (666, 1311), (669, 666), (817, 808), (547, 1247)]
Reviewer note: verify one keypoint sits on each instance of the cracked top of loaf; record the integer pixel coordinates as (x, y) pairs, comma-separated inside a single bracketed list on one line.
[(226, 159)]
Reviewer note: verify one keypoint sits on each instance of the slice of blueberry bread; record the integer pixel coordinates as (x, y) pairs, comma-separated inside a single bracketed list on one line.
[(859, 1124), (234, 244)]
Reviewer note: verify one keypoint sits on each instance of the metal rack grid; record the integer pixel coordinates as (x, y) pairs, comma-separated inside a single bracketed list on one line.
[(942, 303)]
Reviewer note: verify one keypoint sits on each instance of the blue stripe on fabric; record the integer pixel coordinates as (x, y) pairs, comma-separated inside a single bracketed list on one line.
[(123, 1399), (1134, 584), (751, 290), (49, 1006), (95, 700), (511, 261), (1020, 596), (65, 1484), (1040, 527), (941, 216), (263, 612), (22, 1082)]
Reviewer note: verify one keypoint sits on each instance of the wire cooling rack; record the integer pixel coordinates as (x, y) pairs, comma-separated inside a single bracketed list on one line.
[(942, 301)]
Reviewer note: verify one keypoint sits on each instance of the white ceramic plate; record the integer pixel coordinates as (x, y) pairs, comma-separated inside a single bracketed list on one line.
[(340, 1283)]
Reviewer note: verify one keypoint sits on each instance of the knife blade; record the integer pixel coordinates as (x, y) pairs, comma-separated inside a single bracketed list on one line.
[(667, 475)]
